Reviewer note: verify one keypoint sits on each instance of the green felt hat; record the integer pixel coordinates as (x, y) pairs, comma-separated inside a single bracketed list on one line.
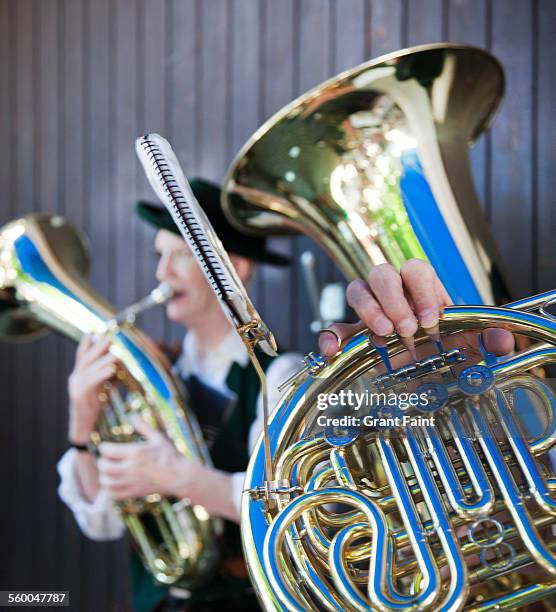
[(234, 241)]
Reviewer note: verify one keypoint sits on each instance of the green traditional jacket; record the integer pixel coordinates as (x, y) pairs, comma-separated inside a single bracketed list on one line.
[(230, 453)]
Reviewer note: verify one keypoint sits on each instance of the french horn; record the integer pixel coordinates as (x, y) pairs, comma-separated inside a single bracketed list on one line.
[(43, 267), (447, 503), (409, 513)]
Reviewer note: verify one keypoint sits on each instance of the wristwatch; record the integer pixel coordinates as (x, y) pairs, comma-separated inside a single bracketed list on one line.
[(82, 448)]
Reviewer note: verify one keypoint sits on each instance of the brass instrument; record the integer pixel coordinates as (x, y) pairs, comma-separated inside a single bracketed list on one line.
[(373, 165), (43, 266), (359, 514), (393, 515)]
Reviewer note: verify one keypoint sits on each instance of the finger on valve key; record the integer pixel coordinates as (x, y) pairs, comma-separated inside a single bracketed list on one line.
[(390, 301), (360, 297), (387, 287), (426, 293)]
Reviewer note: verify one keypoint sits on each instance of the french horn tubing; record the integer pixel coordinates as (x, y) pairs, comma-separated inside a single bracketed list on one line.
[(446, 503)]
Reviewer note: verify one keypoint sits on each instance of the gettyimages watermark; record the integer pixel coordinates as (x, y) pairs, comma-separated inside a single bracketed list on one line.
[(374, 409), (525, 406)]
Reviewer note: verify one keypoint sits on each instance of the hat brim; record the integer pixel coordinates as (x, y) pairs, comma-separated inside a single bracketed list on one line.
[(159, 217)]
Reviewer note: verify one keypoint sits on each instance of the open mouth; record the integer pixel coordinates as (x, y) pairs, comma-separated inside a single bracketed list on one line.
[(177, 295)]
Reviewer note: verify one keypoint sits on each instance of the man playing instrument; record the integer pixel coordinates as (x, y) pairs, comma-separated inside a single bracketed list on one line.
[(224, 392)]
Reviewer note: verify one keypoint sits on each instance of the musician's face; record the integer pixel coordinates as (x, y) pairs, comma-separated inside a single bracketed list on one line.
[(193, 298)]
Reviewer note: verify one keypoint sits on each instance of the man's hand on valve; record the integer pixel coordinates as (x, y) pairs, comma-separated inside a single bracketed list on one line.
[(401, 301), (137, 469)]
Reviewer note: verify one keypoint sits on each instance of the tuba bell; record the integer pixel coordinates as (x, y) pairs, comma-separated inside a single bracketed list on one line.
[(43, 266), (374, 166), (447, 503)]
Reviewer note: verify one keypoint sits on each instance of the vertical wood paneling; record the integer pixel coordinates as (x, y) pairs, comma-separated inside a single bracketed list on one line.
[(124, 121), (25, 443), (6, 107), (349, 31), (182, 86), (72, 199), (387, 26), (7, 94), (80, 79), (315, 65), (98, 196), (244, 105), (425, 21), (213, 103), (277, 90), (98, 139), (467, 23), (315, 48), (245, 81), (182, 94), (511, 177), (152, 89), (278, 69), (48, 349), (545, 154), (25, 116)]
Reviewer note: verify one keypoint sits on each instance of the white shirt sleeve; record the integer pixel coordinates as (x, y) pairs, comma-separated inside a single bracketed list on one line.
[(279, 371), (98, 520)]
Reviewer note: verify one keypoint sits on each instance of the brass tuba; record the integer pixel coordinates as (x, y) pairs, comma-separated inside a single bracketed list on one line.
[(374, 166), (386, 509), (43, 266)]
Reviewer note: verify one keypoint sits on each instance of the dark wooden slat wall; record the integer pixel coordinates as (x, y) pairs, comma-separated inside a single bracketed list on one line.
[(48, 354), (313, 65), (388, 27), (244, 85), (79, 79), (99, 158), (512, 199), (544, 179), (7, 463), (277, 89), (468, 21), (24, 435), (72, 172)]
